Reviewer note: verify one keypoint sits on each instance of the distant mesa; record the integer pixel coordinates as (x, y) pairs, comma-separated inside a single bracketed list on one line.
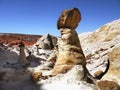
[(14, 39)]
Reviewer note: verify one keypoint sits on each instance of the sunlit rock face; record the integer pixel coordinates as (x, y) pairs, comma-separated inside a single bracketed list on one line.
[(105, 33), (47, 42), (22, 56), (108, 85), (69, 19), (69, 50), (100, 46), (114, 70), (72, 80)]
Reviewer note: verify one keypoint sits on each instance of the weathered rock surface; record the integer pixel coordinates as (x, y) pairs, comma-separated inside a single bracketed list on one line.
[(108, 85), (47, 42), (69, 51), (22, 56), (114, 70), (14, 74), (103, 45), (69, 19), (72, 80), (7, 56), (105, 33)]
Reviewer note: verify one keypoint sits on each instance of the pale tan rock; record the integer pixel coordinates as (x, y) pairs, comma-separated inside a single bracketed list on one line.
[(108, 85), (37, 49), (69, 19), (105, 33), (105, 41), (114, 70), (69, 51), (72, 80)]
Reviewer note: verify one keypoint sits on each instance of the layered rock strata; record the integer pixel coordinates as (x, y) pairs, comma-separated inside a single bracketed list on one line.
[(69, 51)]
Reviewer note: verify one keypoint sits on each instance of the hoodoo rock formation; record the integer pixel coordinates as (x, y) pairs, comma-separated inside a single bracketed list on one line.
[(69, 51), (22, 57)]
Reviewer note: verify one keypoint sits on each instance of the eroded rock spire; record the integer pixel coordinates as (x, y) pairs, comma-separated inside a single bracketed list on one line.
[(22, 56), (69, 51)]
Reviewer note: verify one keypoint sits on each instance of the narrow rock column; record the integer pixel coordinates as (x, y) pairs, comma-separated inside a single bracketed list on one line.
[(22, 57), (37, 49)]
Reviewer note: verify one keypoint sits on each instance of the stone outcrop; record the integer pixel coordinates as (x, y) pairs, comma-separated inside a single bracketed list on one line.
[(103, 34), (69, 19), (47, 42), (69, 50), (7, 56), (22, 56), (114, 70), (99, 47), (37, 49)]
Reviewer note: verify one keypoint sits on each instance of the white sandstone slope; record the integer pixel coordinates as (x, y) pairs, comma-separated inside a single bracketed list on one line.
[(99, 47), (105, 33), (102, 44), (69, 81)]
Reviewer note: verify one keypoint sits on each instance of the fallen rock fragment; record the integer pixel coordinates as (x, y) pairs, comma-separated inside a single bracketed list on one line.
[(108, 85)]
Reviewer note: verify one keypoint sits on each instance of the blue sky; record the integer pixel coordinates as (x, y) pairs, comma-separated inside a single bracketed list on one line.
[(40, 16)]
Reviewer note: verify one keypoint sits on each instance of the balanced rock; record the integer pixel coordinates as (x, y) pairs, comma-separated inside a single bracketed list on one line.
[(69, 19), (69, 49)]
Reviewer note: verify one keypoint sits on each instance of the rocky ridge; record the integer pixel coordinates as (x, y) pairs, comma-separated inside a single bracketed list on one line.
[(14, 39), (102, 44)]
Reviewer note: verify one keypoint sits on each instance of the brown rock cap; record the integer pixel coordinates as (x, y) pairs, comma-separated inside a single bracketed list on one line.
[(69, 19)]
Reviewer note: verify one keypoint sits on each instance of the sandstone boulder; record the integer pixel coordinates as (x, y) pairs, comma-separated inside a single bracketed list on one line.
[(104, 42), (103, 34), (47, 42), (69, 19), (69, 52), (36, 76)]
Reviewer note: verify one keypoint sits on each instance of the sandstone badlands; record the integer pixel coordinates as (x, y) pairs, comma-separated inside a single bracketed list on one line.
[(53, 63)]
